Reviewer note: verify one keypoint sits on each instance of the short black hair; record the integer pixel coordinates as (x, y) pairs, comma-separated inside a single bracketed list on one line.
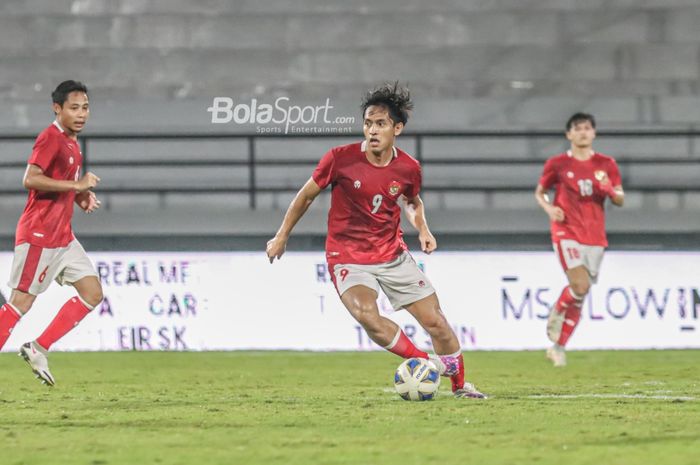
[(579, 117), (394, 97), (60, 95)]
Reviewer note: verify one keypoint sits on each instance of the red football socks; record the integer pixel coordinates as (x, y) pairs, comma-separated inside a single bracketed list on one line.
[(67, 318), (458, 378), (571, 318), (567, 299), (8, 319), (403, 347), (569, 304)]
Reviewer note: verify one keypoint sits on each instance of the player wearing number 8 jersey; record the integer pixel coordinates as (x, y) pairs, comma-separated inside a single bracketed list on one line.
[(45, 247), (366, 253), (583, 180)]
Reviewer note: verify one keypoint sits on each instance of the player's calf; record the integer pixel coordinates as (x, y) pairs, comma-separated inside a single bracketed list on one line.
[(67, 318), (569, 302), (402, 346), (9, 317), (555, 321), (571, 318)]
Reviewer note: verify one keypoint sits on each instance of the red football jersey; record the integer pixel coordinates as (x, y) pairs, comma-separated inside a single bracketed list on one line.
[(364, 218), (46, 219), (578, 194)]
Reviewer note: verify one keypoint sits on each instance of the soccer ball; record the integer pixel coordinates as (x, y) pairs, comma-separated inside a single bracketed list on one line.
[(417, 379)]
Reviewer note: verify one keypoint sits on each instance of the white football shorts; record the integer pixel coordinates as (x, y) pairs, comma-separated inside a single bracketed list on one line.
[(572, 254), (402, 280), (34, 267)]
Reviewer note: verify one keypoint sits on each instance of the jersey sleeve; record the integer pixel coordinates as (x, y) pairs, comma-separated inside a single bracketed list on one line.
[(325, 172), (44, 151), (549, 174), (415, 186), (614, 174)]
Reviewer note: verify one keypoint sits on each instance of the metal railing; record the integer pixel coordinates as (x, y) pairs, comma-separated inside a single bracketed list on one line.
[(254, 187)]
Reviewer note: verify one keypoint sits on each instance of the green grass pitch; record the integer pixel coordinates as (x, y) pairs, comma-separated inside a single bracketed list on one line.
[(247, 408)]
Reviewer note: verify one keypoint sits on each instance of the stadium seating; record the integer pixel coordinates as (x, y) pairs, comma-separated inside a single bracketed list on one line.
[(154, 66)]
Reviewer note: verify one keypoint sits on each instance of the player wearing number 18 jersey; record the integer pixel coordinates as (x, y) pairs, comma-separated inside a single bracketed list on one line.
[(365, 248), (583, 180)]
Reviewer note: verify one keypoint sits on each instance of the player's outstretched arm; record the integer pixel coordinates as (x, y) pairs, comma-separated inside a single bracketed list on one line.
[(34, 178), (555, 213), (306, 195), (415, 212)]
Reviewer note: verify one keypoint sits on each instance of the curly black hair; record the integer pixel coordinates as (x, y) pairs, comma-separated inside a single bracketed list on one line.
[(394, 97)]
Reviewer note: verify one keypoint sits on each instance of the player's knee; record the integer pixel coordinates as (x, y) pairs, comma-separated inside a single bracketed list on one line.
[(580, 288), (22, 301), (93, 297)]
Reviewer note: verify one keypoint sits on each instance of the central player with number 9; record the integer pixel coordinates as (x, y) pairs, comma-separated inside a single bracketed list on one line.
[(371, 182)]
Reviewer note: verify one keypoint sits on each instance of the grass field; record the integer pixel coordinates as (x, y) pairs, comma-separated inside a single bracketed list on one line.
[(337, 408)]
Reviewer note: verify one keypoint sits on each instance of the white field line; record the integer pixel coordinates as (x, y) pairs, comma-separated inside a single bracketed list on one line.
[(595, 396), (610, 396)]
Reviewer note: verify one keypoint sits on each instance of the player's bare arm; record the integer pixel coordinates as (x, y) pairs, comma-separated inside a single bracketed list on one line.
[(304, 198), (34, 178), (553, 212), (415, 212)]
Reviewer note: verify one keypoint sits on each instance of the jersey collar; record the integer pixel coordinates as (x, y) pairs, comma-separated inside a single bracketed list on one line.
[(55, 123)]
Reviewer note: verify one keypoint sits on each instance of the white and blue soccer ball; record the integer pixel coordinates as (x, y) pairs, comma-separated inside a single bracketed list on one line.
[(417, 379)]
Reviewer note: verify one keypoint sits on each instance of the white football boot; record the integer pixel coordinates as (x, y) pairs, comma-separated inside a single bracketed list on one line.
[(469, 391), (557, 355), (35, 356)]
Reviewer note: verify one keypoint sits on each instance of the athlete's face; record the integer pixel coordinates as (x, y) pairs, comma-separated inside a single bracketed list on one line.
[(581, 134), (380, 131), (74, 112)]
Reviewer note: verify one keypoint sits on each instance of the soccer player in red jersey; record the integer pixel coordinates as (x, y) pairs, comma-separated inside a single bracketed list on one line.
[(45, 247), (583, 180), (365, 249)]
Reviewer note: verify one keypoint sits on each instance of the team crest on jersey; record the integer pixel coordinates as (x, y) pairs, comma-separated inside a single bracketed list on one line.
[(70, 160), (569, 174), (600, 175), (394, 187), (357, 184)]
